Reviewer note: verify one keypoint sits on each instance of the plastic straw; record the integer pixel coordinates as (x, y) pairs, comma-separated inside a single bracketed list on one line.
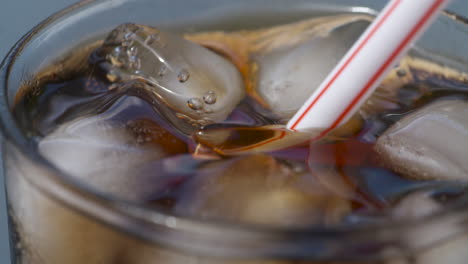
[(365, 65)]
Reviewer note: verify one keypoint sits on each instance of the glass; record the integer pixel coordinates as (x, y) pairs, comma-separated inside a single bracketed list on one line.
[(105, 230)]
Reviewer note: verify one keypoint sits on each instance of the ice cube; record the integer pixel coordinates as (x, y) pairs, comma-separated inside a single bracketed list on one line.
[(429, 143), (51, 232), (288, 75), (258, 189), (119, 158), (444, 239), (195, 83)]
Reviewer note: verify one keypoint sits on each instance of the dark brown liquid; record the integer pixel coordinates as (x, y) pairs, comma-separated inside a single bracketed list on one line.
[(64, 93)]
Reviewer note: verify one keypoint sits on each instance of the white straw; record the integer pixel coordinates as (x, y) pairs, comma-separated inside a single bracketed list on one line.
[(365, 65)]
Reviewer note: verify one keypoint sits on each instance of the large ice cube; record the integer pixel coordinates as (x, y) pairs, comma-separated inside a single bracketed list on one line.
[(288, 75), (258, 189), (429, 143), (194, 82), (119, 158)]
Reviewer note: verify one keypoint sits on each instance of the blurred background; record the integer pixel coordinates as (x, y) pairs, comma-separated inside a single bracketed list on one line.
[(19, 16)]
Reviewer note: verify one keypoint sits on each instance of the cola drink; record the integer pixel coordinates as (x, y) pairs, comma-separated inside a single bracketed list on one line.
[(177, 139)]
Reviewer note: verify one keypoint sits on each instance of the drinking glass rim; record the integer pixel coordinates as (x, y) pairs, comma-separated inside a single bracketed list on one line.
[(143, 221)]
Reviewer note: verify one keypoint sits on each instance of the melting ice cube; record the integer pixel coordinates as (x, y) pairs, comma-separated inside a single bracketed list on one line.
[(288, 74), (194, 82), (429, 143), (121, 158)]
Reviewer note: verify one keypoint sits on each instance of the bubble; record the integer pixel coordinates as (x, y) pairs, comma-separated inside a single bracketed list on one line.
[(210, 97), (195, 103), (183, 76)]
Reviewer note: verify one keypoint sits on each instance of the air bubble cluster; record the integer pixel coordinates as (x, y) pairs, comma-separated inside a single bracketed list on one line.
[(123, 54)]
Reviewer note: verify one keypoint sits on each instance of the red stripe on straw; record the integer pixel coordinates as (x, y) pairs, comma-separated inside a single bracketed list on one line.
[(387, 64), (355, 53)]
